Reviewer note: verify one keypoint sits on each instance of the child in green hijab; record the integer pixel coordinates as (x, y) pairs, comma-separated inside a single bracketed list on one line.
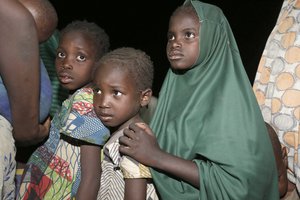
[(207, 138)]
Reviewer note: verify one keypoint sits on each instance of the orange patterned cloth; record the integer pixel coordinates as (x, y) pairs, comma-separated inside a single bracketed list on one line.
[(277, 83)]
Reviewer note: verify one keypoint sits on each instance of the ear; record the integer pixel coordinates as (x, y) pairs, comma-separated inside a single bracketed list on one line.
[(145, 97)]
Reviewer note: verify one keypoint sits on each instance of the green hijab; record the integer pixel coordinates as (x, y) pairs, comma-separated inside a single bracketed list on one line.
[(210, 115)]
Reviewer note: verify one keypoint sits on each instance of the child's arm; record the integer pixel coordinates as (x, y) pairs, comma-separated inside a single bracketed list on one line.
[(135, 189), (140, 144), (90, 158)]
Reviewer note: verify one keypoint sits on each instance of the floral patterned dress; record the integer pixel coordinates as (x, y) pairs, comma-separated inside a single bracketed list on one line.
[(53, 171)]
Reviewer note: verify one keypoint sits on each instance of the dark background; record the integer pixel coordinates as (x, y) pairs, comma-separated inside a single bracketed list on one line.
[(143, 25)]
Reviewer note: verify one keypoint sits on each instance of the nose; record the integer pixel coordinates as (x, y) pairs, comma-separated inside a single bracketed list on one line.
[(101, 101), (176, 43), (65, 63), (172, 44)]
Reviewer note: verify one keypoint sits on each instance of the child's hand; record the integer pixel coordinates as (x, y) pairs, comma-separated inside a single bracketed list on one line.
[(139, 143), (142, 126)]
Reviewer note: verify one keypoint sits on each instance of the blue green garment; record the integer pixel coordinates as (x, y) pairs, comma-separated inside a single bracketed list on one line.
[(45, 96), (210, 115), (53, 171)]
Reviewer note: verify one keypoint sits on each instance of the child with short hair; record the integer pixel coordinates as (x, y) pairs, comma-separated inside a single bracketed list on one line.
[(122, 86), (68, 164)]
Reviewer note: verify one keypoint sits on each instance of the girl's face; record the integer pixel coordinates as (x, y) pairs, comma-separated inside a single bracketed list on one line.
[(75, 60), (117, 100), (183, 41)]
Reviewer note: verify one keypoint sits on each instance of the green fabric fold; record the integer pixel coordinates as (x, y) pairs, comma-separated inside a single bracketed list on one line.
[(210, 115)]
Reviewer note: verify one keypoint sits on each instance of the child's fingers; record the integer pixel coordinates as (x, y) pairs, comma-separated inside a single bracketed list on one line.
[(136, 127), (125, 144), (125, 150), (129, 133), (141, 125)]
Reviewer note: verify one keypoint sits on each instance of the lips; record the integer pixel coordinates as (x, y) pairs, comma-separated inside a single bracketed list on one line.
[(104, 117), (175, 55), (65, 78)]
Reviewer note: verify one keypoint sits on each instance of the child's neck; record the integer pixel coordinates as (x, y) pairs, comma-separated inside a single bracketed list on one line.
[(71, 92), (135, 119)]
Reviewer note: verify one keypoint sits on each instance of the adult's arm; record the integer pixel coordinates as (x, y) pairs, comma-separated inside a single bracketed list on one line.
[(19, 69)]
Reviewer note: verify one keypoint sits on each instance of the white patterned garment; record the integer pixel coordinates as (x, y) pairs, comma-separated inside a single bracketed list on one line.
[(7, 161), (116, 167), (277, 83)]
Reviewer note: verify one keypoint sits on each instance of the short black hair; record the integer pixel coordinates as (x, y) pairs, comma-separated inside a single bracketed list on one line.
[(92, 30), (137, 62)]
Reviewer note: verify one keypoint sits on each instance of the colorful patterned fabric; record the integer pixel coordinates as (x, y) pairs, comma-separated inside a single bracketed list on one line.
[(116, 167), (53, 171), (277, 83), (7, 161)]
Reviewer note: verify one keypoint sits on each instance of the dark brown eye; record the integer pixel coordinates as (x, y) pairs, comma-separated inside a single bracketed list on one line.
[(190, 35), (60, 55), (81, 58)]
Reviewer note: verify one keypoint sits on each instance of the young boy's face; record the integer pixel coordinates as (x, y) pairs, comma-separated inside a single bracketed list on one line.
[(117, 100), (75, 60)]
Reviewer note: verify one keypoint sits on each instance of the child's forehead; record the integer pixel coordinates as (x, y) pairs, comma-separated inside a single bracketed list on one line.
[(76, 33), (112, 69), (78, 37), (116, 66), (114, 74)]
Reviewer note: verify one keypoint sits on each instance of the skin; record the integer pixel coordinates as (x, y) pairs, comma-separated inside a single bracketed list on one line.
[(19, 68), (183, 41), (280, 154), (44, 15), (75, 62), (139, 141), (282, 173), (117, 102)]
